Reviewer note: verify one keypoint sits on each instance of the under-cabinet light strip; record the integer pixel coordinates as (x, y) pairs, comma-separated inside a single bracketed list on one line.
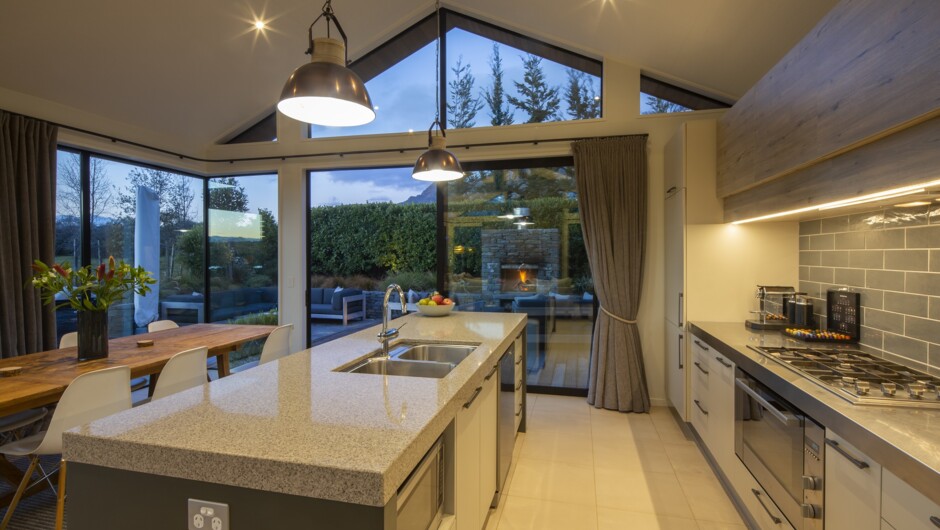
[(871, 197)]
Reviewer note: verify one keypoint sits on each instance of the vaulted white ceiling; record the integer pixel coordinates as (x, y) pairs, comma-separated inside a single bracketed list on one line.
[(196, 71)]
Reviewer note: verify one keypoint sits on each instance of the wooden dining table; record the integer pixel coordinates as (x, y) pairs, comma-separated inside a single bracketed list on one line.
[(44, 376)]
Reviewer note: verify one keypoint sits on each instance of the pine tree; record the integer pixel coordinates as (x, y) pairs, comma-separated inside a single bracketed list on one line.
[(537, 99), (500, 114), (583, 102), (462, 107), (662, 106)]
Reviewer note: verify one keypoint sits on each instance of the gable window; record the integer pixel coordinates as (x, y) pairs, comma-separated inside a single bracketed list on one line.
[(489, 77), (660, 97)]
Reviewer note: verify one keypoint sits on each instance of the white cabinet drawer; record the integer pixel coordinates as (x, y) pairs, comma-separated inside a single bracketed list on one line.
[(853, 486), (902, 506)]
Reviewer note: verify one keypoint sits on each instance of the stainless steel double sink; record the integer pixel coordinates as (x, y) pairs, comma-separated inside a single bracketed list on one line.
[(413, 359)]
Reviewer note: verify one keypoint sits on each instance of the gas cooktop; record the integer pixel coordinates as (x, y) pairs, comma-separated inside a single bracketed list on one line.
[(860, 377)]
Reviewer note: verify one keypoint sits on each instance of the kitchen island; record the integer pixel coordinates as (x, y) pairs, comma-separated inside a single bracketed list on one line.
[(294, 437)]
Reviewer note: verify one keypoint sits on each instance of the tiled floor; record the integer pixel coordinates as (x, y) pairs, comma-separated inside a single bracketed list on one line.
[(580, 468)]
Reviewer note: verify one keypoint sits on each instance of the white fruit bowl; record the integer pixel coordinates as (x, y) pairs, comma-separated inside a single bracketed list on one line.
[(435, 310)]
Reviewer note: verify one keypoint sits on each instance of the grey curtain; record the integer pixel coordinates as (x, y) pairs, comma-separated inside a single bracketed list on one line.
[(612, 182), (27, 231)]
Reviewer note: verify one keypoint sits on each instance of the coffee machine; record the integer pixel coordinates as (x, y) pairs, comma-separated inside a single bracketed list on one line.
[(773, 302)]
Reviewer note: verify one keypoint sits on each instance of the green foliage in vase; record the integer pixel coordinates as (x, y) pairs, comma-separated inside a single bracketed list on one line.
[(89, 288)]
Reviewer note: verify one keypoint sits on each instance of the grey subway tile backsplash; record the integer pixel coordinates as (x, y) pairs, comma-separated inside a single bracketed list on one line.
[(924, 237), (835, 258), (809, 227), (906, 260), (822, 242), (834, 224), (821, 274), (867, 259), (915, 350), (884, 280), (892, 258), (844, 241), (883, 320), (881, 239), (909, 304), (922, 283), (809, 257), (861, 222), (850, 277), (910, 216), (922, 328)]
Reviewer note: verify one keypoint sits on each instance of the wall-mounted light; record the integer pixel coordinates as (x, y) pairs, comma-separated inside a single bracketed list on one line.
[(871, 197), (324, 91)]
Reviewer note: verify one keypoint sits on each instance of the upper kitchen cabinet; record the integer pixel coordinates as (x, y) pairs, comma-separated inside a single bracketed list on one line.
[(856, 101)]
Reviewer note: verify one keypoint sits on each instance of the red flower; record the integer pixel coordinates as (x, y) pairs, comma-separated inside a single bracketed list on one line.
[(101, 271), (110, 274), (58, 268)]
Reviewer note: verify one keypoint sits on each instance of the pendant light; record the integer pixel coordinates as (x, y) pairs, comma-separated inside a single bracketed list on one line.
[(324, 91), (437, 164)]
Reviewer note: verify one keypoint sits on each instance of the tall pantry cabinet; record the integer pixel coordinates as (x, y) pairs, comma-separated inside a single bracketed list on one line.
[(689, 168)]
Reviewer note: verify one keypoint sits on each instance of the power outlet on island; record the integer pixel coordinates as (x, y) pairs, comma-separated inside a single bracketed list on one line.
[(207, 515)]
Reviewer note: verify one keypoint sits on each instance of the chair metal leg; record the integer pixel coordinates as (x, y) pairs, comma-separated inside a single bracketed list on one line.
[(33, 461), (60, 500)]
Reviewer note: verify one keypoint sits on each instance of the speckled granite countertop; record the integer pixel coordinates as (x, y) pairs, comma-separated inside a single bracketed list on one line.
[(295, 426), (904, 440)]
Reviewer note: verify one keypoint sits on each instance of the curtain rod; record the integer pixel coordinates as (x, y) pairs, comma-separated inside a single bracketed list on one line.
[(340, 154)]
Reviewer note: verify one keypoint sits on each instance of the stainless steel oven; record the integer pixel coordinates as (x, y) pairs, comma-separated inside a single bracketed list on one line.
[(783, 450), (421, 497)]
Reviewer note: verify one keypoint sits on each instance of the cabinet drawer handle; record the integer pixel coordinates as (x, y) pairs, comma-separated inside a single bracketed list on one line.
[(699, 366), (773, 517), (861, 464), (723, 363), (519, 412), (490, 375), (700, 345), (699, 405), (473, 398), (935, 520)]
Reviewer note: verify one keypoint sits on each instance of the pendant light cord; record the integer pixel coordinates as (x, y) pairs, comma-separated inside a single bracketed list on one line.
[(437, 63)]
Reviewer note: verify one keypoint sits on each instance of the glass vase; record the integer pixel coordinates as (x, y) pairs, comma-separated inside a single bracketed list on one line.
[(92, 335)]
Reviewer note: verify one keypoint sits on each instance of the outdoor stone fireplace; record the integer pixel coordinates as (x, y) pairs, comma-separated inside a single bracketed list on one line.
[(517, 261)]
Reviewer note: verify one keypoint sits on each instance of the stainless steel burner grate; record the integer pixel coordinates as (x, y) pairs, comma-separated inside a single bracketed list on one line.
[(860, 377)]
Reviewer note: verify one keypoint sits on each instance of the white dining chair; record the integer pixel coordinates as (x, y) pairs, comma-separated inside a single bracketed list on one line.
[(160, 325), (184, 370), (89, 397), (69, 340), (277, 344)]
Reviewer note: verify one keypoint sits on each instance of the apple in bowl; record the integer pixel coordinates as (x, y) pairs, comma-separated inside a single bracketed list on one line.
[(435, 305)]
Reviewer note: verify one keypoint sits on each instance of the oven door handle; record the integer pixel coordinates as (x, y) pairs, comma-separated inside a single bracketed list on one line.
[(787, 419)]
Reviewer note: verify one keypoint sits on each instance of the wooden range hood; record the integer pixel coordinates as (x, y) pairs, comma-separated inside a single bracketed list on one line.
[(853, 109)]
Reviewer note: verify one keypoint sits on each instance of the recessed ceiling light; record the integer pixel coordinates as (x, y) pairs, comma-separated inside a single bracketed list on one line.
[(912, 204), (260, 25)]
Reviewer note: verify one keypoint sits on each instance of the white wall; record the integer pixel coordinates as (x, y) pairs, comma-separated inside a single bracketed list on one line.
[(731, 261), (621, 116)]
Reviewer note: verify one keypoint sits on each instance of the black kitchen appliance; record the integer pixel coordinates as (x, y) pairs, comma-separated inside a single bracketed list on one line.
[(783, 450), (843, 312), (800, 311)]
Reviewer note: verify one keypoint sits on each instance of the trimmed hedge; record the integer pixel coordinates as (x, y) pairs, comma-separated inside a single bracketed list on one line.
[(372, 239)]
